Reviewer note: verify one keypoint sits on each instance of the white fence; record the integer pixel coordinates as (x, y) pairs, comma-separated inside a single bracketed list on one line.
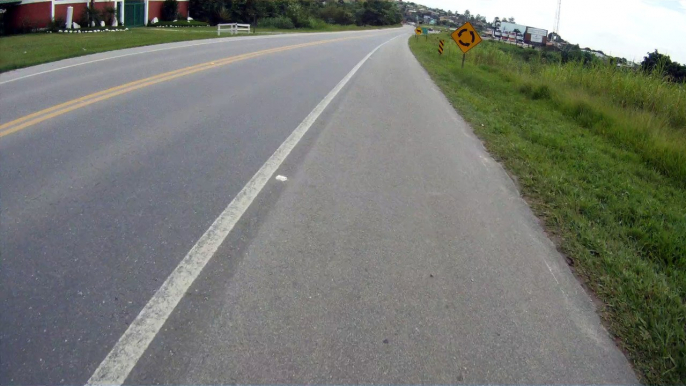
[(234, 28)]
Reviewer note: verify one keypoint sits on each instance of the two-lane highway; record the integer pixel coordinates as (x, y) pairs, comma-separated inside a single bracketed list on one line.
[(145, 239)]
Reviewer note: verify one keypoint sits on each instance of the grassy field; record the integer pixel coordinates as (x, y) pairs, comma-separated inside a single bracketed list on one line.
[(27, 50), (600, 155)]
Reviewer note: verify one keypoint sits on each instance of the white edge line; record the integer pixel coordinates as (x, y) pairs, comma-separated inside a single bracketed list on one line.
[(116, 367), (213, 41)]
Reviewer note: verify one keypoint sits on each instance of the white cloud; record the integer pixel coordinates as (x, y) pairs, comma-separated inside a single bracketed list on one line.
[(627, 28)]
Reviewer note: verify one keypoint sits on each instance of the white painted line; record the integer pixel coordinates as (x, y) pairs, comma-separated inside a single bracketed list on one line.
[(127, 351), (213, 41)]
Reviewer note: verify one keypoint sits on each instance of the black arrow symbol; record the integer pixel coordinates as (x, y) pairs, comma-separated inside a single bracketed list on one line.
[(459, 35), (473, 37)]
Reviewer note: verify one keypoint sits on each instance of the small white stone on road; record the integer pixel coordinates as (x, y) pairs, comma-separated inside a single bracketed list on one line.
[(281, 178)]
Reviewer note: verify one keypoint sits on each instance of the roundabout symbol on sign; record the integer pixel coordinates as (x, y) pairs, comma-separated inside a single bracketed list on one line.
[(461, 42), (466, 37)]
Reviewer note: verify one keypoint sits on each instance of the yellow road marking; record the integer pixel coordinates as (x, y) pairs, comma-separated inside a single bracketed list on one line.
[(53, 108), (63, 108)]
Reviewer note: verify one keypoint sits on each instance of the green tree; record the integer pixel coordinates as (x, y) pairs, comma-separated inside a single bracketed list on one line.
[(336, 14), (298, 14), (663, 64), (302, 13), (655, 61)]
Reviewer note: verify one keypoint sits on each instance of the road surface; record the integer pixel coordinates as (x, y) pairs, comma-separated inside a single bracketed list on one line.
[(146, 239)]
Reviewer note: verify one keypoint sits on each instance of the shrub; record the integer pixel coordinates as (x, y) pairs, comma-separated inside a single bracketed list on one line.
[(316, 24), (536, 92), (56, 24), (108, 14), (170, 8), (277, 22), (298, 15), (222, 15), (88, 16), (585, 114), (334, 14)]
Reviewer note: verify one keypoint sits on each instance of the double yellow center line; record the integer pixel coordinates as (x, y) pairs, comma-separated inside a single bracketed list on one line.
[(63, 108)]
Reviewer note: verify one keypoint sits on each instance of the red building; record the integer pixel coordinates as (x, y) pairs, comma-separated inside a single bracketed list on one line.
[(31, 14)]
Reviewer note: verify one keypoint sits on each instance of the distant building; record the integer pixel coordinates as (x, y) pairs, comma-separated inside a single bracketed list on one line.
[(597, 54), (511, 27), (36, 14), (536, 36)]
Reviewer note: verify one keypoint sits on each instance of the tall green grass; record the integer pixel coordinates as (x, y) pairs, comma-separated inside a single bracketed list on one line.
[(626, 88), (633, 108), (600, 155)]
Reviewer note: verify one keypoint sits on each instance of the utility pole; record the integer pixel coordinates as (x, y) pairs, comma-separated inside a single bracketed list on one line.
[(557, 18)]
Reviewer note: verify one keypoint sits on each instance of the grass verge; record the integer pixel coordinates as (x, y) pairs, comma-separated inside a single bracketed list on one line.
[(605, 172), (20, 51)]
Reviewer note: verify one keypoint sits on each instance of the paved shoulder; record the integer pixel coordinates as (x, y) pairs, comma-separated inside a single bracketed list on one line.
[(397, 251)]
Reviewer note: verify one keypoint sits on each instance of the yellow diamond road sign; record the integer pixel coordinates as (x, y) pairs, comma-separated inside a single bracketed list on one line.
[(418, 31), (466, 37)]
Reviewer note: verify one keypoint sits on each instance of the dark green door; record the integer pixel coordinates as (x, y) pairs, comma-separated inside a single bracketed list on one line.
[(134, 13)]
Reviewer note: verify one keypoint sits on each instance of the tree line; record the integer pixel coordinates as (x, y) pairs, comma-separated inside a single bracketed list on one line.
[(663, 64), (296, 13)]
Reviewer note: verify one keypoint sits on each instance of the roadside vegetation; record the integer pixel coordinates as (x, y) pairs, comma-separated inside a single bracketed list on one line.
[(599, 152), (289, 14)]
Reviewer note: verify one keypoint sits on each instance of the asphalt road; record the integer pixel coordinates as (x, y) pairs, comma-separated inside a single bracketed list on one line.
[(397, 250)]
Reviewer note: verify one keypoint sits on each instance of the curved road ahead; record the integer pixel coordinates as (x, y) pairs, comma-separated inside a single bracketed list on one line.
[(147, 239)]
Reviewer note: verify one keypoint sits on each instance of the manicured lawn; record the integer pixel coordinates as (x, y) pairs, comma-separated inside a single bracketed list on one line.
[(31, 49), (600, 155), (27, 50)]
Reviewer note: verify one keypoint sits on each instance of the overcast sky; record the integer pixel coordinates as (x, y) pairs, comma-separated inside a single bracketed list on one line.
[(627, 28)]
